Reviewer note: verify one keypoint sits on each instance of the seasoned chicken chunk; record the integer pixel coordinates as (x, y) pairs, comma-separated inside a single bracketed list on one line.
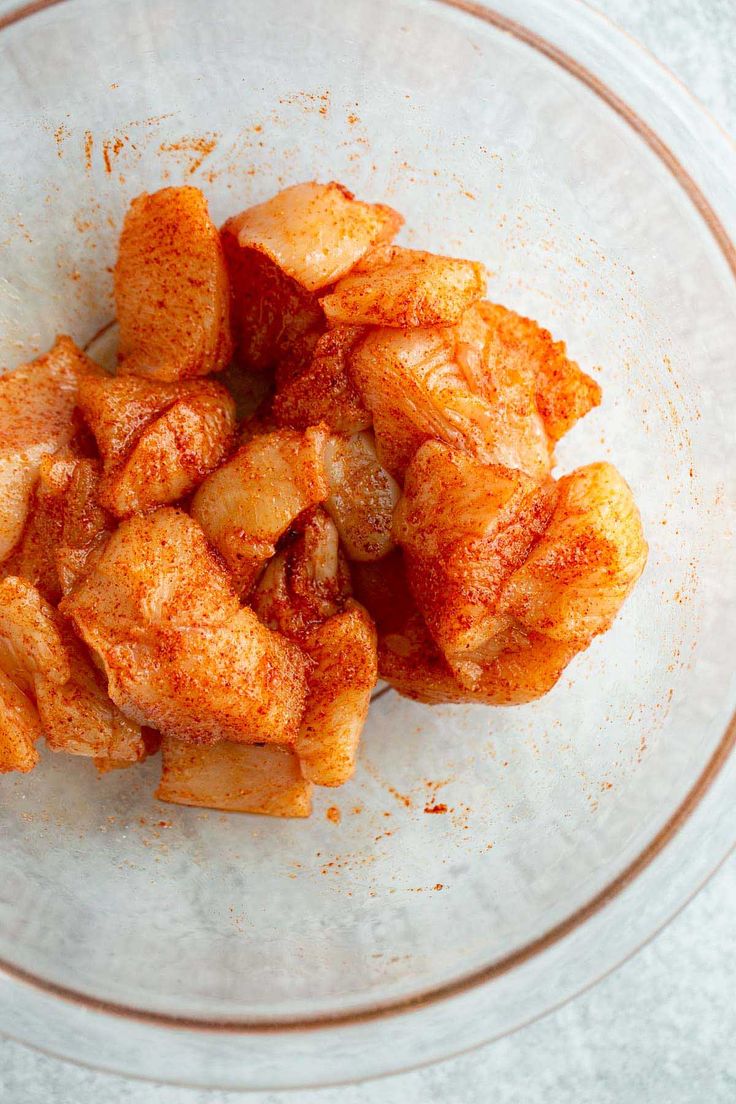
[(36, 406), (34, 558), (304, 594), (179, 652), (85, 525), (270, 313), (20, 728), (239, 778), (315, 233), (508, 382), (319, 388), (248, 503), (78, 716), (30, 644), (394, 286), (65, 527), (280, 253), (464, 528), (343, 652), (409, 660), (563, 392), (158, 441), (171, 288), (306, 582), (415, 383), (492, 558), (42, 658), (362, 496), (578, 575)]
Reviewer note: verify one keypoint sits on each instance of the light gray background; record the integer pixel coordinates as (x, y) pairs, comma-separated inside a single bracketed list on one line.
[(662, 1029)]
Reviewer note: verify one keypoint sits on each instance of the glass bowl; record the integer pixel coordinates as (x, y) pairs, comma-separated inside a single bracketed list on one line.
[(218, 950)]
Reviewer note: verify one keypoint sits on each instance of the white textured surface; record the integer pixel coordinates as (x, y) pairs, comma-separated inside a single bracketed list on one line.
[(661, 1028)]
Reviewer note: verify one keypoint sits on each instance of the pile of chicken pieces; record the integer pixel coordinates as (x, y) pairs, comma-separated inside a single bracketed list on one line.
[(228, 584)]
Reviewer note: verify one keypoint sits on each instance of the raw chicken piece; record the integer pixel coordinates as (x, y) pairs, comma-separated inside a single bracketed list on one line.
[(158, 441), (506, 378), (249, 503), (118, 408), (171, 288), (495, 561), (415, 383), (362, 496), (20, 728), (305, 583), (394, 286), (563, 392), (79, 718), (34, 558), (280, 253), (343, 651), (65, 525), (304, 593), (409, 660), (464, 528), (240, 778), (315, 233), (179, 652), (319, 388), (270, 313), (585, 565), (36, 405), (85, 525), (41, 657), (30, 645)]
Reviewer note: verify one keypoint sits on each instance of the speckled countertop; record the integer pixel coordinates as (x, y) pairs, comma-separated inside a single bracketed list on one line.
[(661, 1029)]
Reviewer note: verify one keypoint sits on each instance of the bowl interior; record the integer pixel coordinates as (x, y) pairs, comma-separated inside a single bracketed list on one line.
[(491, 151)]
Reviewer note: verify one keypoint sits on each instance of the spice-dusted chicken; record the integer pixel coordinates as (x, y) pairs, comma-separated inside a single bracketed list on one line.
[(509, 384), (66, 525), (586, 563), (282, 252), (492, 557), (362, 496), (42, 659), (394, 286), (315, 233), (249, 503), (316, 387), (20, 729), (157, 440), (85, 525), (79, 718), (36, 407), (341, 681), (304, 594), (305, 583), (171, 288), (562, 391), (238, 778), (494, 385), (464, 528), (415, 383), (410, 661), (395, 432), (34, 558), (271, 314), (179, 652)]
